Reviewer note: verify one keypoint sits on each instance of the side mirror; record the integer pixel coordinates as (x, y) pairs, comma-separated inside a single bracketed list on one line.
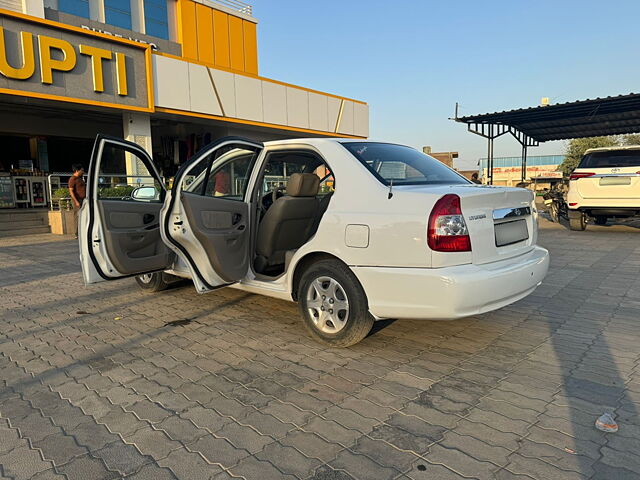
[(145, 194)]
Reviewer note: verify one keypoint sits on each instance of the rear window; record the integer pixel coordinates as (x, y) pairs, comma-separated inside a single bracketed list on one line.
[(615, 158), (402, 165)]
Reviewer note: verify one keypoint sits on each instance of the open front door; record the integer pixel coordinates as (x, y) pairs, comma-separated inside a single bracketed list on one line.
[(206, 216), (119, 222)]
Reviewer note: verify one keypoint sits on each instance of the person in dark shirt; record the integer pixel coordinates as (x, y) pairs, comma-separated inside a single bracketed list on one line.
[(77, 191), (474, 178)]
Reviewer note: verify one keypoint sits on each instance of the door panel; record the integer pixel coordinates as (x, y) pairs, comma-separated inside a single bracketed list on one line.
[(206, 216), (132, 236), (119, 230), (221, 227)]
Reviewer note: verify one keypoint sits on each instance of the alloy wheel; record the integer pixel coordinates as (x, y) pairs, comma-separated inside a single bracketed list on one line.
[(327, 304)]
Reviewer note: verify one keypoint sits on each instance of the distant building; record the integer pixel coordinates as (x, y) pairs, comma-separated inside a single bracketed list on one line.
[(507, 170), (466, 173), (445, 157)]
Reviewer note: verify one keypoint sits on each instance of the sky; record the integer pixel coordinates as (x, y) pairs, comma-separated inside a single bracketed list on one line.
[(411, 61)]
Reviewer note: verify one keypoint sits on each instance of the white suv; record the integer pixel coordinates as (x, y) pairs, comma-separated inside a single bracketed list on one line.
[(605, 184)]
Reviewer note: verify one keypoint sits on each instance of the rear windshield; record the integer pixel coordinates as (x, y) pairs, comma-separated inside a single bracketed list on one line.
[(616, 158), (402, 165)]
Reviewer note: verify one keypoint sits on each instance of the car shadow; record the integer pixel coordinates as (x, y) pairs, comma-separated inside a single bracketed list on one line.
[(380, 325)]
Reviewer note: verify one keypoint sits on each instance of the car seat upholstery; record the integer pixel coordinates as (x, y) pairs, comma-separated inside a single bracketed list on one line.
[(288, 223)]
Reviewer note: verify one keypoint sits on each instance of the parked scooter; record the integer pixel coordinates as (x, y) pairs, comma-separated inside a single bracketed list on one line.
[(555, 202)]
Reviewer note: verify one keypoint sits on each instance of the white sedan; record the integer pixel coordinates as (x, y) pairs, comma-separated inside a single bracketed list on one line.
[(352, 230)]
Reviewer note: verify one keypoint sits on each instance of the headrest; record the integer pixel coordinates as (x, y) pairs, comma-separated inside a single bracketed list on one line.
[(303, 185)]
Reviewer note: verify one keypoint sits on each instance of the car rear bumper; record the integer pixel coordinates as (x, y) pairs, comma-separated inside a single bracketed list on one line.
[(609, 211), (575, 201), (451, 292)]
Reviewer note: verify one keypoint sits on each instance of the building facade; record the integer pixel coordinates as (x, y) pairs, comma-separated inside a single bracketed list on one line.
[(171, 75), (445, 157), (507, 171)]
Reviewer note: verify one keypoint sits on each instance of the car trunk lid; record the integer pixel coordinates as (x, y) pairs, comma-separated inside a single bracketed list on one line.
[(616, 182), (501, 221), (608, 173)]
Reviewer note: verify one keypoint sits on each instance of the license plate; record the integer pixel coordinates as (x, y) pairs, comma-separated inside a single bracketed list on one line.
[(511, 232), (615, 181)]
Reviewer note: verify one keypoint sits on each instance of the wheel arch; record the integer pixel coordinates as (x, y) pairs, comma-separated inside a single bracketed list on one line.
[(303, 263)]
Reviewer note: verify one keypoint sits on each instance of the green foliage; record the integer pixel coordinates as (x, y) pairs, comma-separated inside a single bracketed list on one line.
[(60, 193), (106, 192), (631, 139), (577, 146), (115, 192)]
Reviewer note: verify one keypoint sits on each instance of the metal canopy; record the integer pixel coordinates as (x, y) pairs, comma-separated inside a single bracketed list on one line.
[(531, 126)]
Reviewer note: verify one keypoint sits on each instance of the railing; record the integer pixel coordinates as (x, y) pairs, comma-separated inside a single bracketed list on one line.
[(111, 185), (236, 5)]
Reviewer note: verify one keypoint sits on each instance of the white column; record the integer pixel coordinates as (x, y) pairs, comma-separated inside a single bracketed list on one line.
[(137, 129), (33, 7), (137, 16), (96, 10), (172, 18)]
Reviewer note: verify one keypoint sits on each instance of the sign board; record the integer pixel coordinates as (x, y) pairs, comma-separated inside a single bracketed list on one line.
[(6, 192), (44, 59), (547, 174), (157, 44)]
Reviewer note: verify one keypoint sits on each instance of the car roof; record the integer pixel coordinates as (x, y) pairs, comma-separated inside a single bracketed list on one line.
[(612, 149), (320, 141)]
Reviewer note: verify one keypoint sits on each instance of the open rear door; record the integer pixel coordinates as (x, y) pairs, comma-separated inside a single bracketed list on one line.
[(119, 222), (206, 216)]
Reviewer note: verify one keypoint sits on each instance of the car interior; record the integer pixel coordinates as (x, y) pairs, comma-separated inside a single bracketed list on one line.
[(296, 188)]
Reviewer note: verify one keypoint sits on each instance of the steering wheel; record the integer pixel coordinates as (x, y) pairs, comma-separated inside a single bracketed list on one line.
[(277, 192), (270, 197)]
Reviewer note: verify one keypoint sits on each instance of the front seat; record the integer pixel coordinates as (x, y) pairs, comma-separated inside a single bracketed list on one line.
[(288, 223)]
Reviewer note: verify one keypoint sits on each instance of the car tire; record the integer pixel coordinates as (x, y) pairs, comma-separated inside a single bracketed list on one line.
[(600, 220), (330, 283), (152, 282), (577, 220)]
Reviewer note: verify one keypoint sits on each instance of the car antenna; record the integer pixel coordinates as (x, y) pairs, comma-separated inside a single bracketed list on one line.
[(390, 189)]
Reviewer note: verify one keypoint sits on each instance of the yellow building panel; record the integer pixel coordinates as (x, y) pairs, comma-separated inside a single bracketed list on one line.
[(221, 39), (188, 32), (250, 47), (236, 43), (204, 19)]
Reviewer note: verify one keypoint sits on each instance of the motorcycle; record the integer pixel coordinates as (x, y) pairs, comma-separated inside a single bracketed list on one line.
[(555, 203)]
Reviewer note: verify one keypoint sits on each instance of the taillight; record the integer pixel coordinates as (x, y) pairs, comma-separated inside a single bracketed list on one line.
[(577, 175), (447, 231)]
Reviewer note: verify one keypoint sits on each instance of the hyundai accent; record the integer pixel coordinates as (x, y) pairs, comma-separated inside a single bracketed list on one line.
[(351, 230)]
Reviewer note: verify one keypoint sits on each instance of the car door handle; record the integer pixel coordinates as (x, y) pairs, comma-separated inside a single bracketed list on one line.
[(241, 227), (148, 218), (235, 218)]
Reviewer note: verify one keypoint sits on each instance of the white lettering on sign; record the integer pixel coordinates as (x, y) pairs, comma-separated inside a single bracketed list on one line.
[(106, 32)]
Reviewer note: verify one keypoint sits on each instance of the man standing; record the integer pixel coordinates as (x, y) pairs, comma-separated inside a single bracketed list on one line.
[(77, 191)]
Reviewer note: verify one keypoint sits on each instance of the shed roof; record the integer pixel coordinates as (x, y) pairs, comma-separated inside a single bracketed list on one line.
[(582, 118)]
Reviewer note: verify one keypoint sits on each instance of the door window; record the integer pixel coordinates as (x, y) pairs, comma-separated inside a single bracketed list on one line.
[(223, 174), (281, 165), (124, 175)]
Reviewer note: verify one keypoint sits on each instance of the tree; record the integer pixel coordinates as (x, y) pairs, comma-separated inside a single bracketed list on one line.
[(577, 146)]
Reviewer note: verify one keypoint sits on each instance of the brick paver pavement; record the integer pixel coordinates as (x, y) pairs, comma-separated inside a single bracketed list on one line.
[(110, 382)]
